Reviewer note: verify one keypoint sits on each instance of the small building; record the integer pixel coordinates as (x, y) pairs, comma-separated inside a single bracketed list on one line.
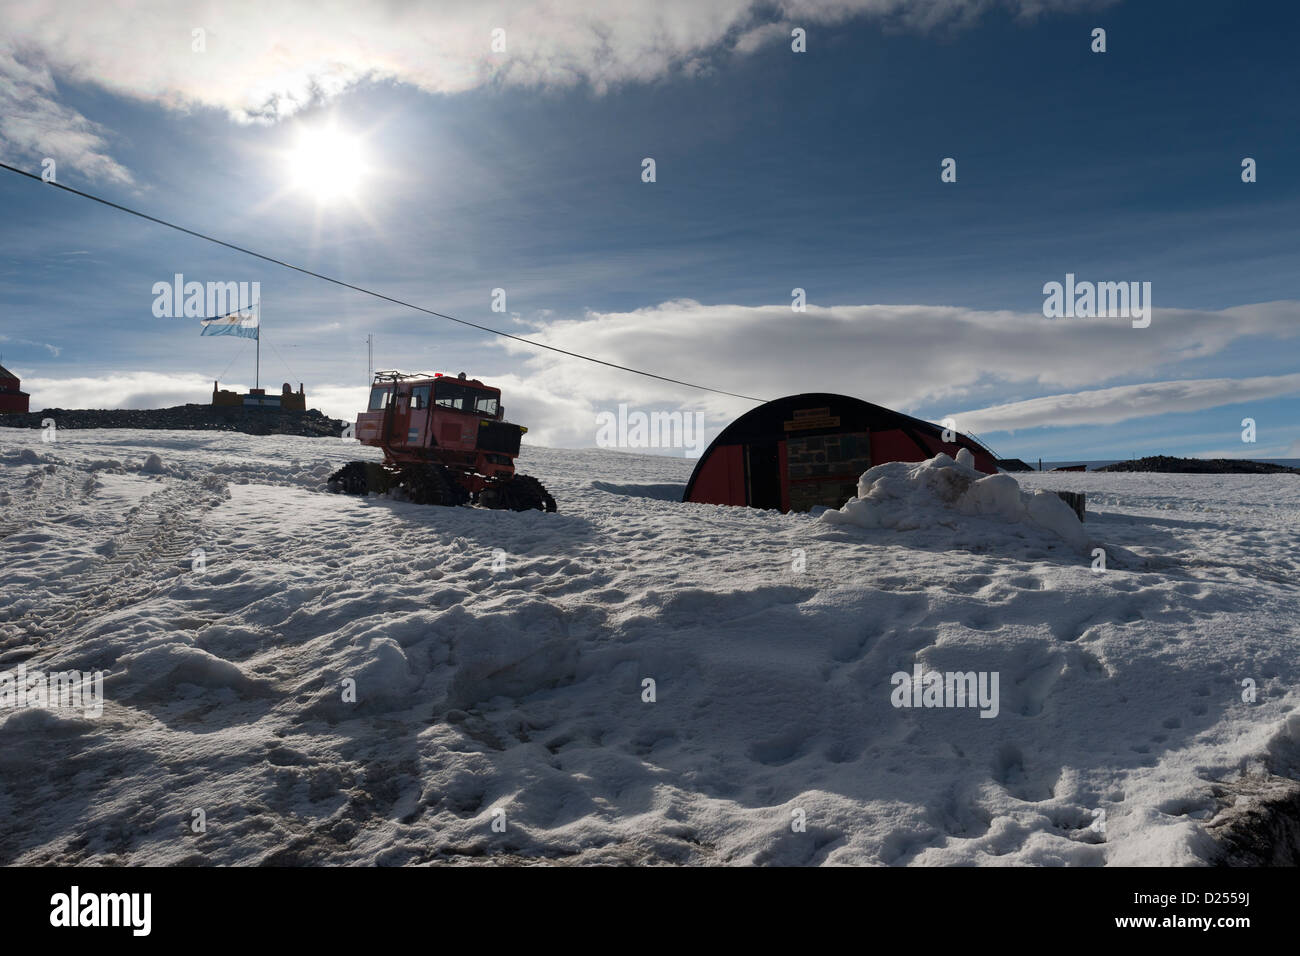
[(13, 400), (288, 400), (793, 453), (1014, 464)]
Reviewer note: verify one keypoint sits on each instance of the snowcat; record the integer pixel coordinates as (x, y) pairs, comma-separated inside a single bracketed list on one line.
[(445, 442)]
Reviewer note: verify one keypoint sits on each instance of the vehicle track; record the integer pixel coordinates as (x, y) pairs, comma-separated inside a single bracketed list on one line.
[(47, 491), (152, 547)]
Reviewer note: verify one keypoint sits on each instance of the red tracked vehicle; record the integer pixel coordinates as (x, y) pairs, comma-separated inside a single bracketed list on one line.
[(445, 442)]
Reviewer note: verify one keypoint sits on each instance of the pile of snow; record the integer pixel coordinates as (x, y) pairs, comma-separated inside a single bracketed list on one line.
[(22, 456), (906, 495)]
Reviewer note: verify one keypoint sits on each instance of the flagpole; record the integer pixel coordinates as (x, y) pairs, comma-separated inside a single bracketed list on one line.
[(257, 371)]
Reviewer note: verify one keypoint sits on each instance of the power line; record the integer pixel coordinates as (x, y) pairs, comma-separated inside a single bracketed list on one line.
[(242, 344), (370, 292), (292, 373)]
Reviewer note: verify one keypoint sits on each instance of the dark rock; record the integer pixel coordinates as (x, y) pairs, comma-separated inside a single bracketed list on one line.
[(1259, 824), (1201, 466), (250, 421)]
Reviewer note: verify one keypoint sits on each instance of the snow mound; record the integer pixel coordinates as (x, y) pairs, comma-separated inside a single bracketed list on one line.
[(375, 672), (157, 671), (24, 456), (908, 495), (19, 726), (153, 465), (382, 670)]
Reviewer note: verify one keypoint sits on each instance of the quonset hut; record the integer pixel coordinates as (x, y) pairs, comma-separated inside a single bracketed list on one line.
[(804, 450)]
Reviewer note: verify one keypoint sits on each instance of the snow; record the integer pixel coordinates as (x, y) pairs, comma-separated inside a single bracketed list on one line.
[(499, 662), (941, 491)]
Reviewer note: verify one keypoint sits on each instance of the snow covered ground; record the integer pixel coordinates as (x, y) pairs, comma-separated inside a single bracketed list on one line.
[(500, 663)]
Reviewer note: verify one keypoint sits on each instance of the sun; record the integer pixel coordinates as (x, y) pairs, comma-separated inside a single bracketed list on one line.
[(327, 164)]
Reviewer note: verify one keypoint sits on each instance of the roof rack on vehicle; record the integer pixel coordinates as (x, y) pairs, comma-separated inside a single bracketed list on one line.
[(393, 375)]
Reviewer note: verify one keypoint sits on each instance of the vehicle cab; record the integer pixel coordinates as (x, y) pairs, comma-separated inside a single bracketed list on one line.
[(457, 420)]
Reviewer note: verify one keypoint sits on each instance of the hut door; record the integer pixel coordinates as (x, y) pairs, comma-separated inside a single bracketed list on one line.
[(763, 475)]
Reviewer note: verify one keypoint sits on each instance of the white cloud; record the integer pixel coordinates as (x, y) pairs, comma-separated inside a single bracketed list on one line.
[(559, 418), (903, 357), (1107, 406), (264, 61), (159, 390), (898, 356), (120, 390), (54, 350), (336, 401), (34, 125)]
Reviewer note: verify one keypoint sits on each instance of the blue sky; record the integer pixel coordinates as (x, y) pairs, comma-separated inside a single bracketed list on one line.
[(775, 170)]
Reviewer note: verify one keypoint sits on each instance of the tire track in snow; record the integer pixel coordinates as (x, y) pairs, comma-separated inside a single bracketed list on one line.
[(53, 495), (160, 531)]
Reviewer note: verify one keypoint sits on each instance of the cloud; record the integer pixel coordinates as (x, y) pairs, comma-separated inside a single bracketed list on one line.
[(336, 401), (264, 61), (54, 350), (900, 356), (33, 125), (559, 418), (909, 357), (120, 390), (1107, 406), (159, 390)]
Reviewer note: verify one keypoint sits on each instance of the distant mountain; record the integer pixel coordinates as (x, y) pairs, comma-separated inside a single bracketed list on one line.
[(1201, 466)]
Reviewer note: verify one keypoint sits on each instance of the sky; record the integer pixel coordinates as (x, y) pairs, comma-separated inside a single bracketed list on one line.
[(390, 146)]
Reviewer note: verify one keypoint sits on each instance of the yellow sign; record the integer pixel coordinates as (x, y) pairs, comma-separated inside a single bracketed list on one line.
[(812, 418)]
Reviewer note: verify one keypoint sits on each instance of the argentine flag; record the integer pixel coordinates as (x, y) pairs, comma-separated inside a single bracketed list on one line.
[(243, 323)]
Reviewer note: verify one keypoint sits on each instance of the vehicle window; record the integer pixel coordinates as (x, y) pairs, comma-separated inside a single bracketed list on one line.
[(379, 398), (420, 396), (486, 405), (457, 397)]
